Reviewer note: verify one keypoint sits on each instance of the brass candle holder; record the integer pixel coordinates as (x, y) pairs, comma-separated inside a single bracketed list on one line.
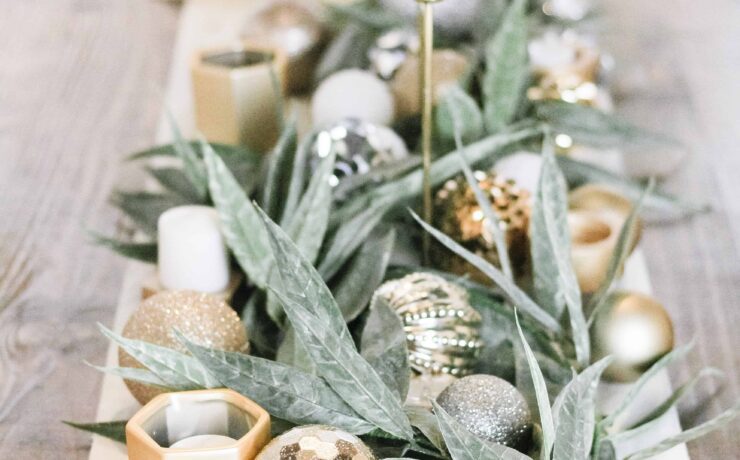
[(212, 424)]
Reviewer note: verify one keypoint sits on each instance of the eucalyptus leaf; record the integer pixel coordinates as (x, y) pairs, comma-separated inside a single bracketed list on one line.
[(177, 370), (144, 208), (192, 164), (174, 180), (588, 125), (319, 326), (229, 153), (721, 421), (115, 430), (292, 352), (283, 390), (362, 275), (278, 172), (606, 451), (368, 16), (464, 445), (144, 252), (512, 291), (377, 175), (574, 414), (543, 399), (458, 111), (240, 224), (383, 345), (424, 420), (298, 175), (665, 205), (506, 72), (554, 277), (346, 51), (144, 376)]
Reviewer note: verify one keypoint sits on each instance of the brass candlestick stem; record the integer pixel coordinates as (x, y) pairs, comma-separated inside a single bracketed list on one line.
[(426, 43)]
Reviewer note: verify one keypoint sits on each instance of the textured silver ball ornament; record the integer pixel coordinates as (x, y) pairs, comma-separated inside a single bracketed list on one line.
[(360, 146), (442, 329), (489, 407)]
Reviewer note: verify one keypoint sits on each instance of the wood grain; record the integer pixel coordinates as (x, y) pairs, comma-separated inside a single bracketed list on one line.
[(81, 84)]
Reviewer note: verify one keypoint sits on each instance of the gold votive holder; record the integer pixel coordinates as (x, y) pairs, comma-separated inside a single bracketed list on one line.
[(236, 95), (179, 418)]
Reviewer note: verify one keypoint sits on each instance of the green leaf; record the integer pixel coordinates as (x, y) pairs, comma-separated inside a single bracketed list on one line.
[(241, 225), (362, 275), (464, 445), (543, 399), (622, 249), (144, 376), (506, 72), (177, 370), (667, 205), (319, 325), (292, 352), (518, 297), (298, 175), (458, 111), (554, 278), (574, 414), (278, 173), (144, 208), (636, 387), (721, 421), (174, 180), (409, 186), (192, 165), (424, 420), (115, 430), (144, 252), (284, 391), (383, 345), (588, 125)]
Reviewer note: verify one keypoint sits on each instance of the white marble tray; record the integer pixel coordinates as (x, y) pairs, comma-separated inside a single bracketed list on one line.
[(207, 23)]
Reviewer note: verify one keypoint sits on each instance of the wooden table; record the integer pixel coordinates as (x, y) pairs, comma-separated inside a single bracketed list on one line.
[(81, 85)]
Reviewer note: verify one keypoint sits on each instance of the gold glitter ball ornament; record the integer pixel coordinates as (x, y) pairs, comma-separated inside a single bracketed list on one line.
[(202, 318), (442, 329), (635, 330), (457, 214), (316, 442), (491, 408)]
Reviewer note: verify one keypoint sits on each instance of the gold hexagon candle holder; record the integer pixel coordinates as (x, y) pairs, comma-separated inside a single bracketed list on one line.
[(205, 424), (235, 95)]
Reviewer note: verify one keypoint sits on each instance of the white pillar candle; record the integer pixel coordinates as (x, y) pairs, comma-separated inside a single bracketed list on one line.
[(203, 441), (192, 252)]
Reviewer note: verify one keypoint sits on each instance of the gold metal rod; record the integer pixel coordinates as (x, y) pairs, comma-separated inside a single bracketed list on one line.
[(426, 41)]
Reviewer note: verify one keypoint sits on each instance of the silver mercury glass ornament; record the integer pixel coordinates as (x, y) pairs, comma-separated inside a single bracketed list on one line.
[(442, 329), (391, 49), (360, 146)]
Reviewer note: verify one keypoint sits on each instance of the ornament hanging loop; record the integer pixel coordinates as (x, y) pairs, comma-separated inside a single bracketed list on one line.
[(426, 45)]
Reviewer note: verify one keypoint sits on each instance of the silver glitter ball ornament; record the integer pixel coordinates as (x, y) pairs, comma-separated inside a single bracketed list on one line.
[(491, 408), (391, 49), (442, 329), (360, 146)]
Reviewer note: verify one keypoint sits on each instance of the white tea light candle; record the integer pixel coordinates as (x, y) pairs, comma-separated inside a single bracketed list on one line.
[(192, 252), (203, 441)]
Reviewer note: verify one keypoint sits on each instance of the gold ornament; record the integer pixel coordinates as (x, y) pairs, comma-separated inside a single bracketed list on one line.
[(316, 442), (597, 197), (296, 32), (442, 329), (635, 330), (448, 65), (594, 236), (457, 214), (202, 318)]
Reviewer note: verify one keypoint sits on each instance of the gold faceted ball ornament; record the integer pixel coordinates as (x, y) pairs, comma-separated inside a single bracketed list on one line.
[(296, 31), (458, 215), (316, 442), (449, 66), (442, 329), (635, 330), (202, 318)]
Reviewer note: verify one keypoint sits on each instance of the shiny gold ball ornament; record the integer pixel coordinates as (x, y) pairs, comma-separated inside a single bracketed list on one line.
[(458, 215), (294, 30), (442, 329), (635, 330), (316, 442), (491, 408), (449, 66), (202, 318)]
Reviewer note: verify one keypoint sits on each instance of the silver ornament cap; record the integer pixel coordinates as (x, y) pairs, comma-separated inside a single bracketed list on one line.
[(491, 408)]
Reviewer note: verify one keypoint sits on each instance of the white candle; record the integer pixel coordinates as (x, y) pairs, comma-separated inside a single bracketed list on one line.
[(192, 252), (203, 441)]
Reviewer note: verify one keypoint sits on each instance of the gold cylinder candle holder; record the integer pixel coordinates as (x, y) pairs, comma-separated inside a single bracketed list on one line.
[(237, 95), (206, 424)]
